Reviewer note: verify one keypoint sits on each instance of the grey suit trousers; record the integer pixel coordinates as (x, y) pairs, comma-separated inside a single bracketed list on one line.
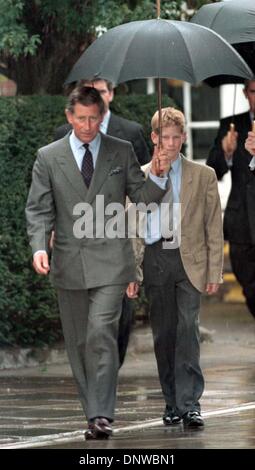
[(174, 313), (90, 321)]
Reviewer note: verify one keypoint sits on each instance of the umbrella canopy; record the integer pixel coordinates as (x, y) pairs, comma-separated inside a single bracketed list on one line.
[(161, 49), (235, 22)]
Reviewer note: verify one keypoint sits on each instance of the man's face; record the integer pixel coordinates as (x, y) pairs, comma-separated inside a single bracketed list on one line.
[(250, 94), (101, 86), (85, 121), (172, 140)]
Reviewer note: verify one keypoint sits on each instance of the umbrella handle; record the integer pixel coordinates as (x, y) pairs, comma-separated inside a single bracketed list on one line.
[(231, 131), (253, 126)]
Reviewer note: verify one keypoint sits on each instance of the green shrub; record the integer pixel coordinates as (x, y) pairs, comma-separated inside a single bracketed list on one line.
[(28, 308)]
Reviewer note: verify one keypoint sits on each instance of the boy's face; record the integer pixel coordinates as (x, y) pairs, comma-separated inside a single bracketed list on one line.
[(172, 140)]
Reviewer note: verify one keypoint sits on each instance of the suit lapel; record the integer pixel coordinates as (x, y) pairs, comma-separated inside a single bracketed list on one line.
[(105, 158), (69, 167), (186, 186), (113, 127)]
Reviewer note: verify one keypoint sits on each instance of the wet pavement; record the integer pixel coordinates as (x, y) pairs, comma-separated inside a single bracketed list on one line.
[(39, 407)]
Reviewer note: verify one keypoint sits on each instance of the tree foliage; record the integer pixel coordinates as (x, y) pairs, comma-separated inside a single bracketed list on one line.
[(40, 40)]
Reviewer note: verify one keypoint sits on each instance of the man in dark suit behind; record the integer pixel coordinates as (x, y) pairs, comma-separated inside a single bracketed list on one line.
[(229, 153), (89, 267), (131, 131)]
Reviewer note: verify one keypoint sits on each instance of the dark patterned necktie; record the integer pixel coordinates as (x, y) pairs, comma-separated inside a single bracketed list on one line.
[(87, 167)]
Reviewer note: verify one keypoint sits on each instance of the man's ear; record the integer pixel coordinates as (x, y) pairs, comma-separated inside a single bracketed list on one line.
[(111, 96), (69, 116)]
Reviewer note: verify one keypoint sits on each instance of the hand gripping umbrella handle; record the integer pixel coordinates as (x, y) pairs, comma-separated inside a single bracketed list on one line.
[(230, 132)]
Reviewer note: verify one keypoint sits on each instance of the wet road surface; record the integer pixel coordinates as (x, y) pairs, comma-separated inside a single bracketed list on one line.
[(39, 407)]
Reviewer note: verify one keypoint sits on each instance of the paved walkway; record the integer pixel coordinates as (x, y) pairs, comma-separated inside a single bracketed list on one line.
[(39, 407)]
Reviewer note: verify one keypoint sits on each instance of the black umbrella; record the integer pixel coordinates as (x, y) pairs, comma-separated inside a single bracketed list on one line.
[(234, 21), (160, 49)]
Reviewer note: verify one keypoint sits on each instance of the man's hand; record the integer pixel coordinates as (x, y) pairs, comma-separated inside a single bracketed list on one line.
[(132, 290), (229, 142), (250, 143), (211, 288), (160, 163), (41, 263)]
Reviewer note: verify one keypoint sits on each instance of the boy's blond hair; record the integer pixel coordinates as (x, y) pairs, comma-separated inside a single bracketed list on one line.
[(170, 117)]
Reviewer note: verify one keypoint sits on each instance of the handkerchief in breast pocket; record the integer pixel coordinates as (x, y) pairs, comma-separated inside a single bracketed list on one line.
[(115, 171)]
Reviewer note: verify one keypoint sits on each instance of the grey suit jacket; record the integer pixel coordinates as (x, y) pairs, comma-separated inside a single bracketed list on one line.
[(57, 186)]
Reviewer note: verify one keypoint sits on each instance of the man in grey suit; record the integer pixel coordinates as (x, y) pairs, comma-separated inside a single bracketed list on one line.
[(89, 268), (132, 131)]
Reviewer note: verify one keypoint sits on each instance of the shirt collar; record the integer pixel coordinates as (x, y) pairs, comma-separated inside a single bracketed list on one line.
[(175, 166), (105, 122), (77, 143)]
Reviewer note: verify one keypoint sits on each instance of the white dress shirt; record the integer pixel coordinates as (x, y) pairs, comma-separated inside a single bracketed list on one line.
[(154, 223)]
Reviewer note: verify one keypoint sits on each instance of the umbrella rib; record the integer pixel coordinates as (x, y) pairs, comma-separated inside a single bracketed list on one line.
[(216, 16), (122, 63), (128, 47), (183, 40)]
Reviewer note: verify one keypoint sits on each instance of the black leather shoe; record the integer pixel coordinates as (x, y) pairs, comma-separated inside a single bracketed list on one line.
[(171, 417), (91, 432), (100, 428), (103, 428), (193, 419)]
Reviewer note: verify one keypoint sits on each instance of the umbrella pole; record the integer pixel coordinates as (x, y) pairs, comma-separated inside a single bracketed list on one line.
[(159, 98), (159, 123), (158, 8), (160, 112), (232, 124), (234, 101)]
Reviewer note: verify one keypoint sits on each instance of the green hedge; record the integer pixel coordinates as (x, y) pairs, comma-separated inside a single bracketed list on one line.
[(28, 308)]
